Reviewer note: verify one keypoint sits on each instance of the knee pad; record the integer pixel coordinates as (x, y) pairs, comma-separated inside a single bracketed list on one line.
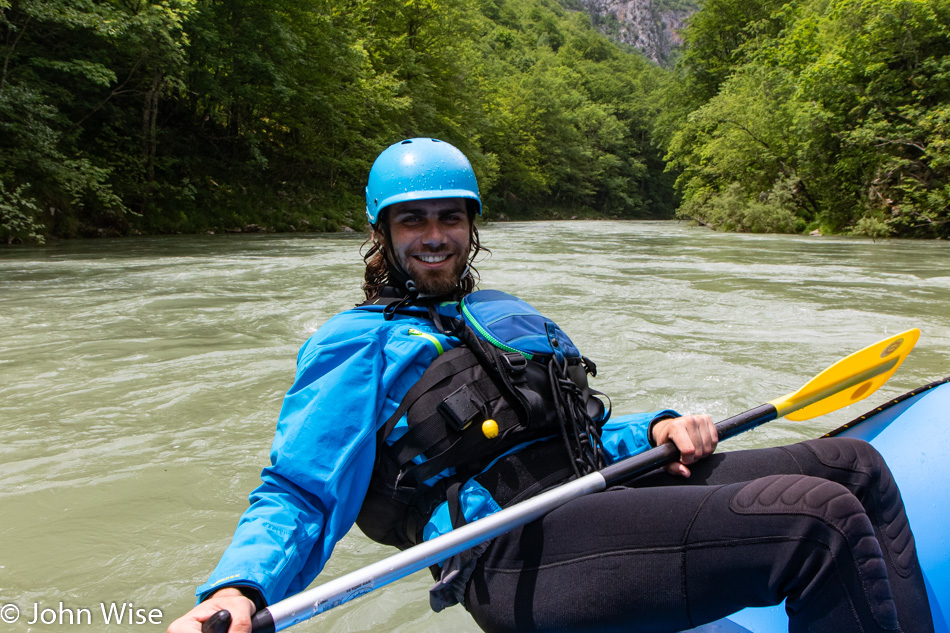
[(829, 502), (850, 454), (874, 485), (828, 515)]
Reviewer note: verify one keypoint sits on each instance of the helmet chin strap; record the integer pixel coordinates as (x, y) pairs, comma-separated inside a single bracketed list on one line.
[(399, 278), (411, 295)]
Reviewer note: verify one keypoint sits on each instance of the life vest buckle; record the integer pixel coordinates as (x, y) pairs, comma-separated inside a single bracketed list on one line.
[(517, 366), (460, 407)]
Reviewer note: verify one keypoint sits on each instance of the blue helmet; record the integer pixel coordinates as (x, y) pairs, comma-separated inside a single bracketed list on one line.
[(418, 169)]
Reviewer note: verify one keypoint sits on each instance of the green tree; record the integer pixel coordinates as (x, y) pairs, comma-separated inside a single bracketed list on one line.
[(123, 116), (842, 113), (66, 67)]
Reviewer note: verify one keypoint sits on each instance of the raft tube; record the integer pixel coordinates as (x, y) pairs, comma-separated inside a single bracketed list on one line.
[(912, 432)]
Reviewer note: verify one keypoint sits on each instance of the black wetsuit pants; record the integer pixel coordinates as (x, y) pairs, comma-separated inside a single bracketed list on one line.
[(820, 524)]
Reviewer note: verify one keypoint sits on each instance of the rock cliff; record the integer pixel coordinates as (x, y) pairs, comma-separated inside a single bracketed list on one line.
[(650, 26)]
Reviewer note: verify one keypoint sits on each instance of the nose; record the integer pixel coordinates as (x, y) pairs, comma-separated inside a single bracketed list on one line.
[(434, 236)]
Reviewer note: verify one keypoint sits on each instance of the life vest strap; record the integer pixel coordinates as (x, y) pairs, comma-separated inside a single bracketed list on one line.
[(452, 362), (426, 434)]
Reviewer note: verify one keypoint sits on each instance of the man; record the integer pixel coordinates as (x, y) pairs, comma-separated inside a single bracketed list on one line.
[(406, 421)]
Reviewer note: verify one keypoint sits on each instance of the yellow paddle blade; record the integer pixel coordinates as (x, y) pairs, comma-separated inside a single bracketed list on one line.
[(849, 380)]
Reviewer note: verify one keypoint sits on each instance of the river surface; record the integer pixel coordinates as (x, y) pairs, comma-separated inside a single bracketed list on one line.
[(140, 380)]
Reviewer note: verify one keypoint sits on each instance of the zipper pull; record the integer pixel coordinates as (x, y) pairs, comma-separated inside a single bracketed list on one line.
[(438, 346)]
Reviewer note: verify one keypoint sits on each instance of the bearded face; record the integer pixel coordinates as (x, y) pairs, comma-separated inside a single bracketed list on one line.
[(431, 240)]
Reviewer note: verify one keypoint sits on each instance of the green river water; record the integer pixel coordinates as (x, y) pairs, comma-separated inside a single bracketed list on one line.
[(140, 380)]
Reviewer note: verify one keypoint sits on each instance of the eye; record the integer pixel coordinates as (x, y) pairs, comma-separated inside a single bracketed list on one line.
[(410, 219)]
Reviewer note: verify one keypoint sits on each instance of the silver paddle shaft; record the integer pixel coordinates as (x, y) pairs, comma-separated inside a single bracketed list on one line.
[(309, 603)]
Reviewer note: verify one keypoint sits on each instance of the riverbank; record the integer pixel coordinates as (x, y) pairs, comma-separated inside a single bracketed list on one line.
[(305, 227)]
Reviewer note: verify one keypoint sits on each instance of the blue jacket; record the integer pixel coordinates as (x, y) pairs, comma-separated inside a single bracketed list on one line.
[(351, 375)]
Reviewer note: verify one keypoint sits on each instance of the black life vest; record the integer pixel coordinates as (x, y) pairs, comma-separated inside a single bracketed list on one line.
[(516, 378)]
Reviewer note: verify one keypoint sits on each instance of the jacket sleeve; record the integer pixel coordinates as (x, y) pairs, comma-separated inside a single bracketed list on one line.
[(628, 435), (321, 461), (350, 377)]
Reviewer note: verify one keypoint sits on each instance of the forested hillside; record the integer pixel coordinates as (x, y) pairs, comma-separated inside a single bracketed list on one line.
[(127, 116), (121, 117), (827, 115)]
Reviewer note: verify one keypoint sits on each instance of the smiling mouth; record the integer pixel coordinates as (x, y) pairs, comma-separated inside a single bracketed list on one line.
[(433, 259)]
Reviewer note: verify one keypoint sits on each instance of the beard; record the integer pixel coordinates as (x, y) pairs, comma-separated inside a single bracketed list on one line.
[(435, 283)]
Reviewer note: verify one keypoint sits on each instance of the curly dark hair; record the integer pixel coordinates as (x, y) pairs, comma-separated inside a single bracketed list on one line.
[(381, 262)]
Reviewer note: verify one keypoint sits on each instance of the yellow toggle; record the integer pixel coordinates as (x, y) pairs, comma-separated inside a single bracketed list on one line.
[(490, 429)]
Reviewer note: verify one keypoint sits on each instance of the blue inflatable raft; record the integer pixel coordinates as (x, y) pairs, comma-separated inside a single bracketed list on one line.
[(912, 432)]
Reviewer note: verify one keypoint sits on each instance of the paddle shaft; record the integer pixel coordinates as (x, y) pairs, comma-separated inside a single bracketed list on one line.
[(310, 603)]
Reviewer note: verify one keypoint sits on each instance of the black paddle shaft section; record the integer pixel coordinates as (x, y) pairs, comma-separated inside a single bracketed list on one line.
[(262, 622), (656, 457), (220, 622)]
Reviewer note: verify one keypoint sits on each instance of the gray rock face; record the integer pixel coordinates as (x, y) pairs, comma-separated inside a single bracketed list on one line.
[(647, 25)]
